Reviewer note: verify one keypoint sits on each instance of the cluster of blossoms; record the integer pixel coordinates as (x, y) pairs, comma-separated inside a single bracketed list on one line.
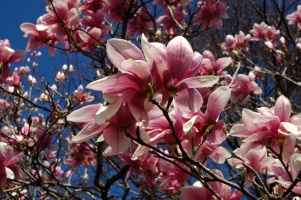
[(164, 114), (160, 82), (270, 139), (36, 133), (89, 22)]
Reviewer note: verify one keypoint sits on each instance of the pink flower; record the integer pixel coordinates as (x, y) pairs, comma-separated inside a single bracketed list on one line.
[(116, 9), (114, 121), (172, 177), (210, 66), (206, 131), (178, 73), (271, 127), (295, 17), (79, 154), (242, 86), (210, 13), (39, 37), (256, 158), (90, 39), (238, 42), (7, 56), (264, 32), (171, 21), (141, 23), (63, 14), (8, 164), (135, 85)]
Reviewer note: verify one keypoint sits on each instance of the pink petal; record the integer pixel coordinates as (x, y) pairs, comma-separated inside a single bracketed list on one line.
[(196, 82), (85, 114), (139, 106), (253, 120), (17, 56), (89, 131), (220, 154), (105, 113), (222, 63), (140, 69), (179, 57), (189, 100), (217, 102), (295, 162), (119, 50), (239, 130), (283, 108), (116, 139), (146, 48), (193, 192)]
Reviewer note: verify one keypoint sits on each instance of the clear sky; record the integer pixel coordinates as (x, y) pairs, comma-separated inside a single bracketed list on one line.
[(15, 12)]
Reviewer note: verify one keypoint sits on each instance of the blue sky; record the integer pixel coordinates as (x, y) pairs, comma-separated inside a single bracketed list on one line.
[(14, 13)]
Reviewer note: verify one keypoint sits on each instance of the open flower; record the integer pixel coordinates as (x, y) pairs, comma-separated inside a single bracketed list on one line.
[(8, 164)]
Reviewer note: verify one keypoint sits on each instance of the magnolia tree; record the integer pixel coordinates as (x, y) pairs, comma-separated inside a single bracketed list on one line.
[(176, 100)]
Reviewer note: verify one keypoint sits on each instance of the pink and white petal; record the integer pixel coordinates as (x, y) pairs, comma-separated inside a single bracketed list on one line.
[(283, 108), (114, 83), (25, 27), (189, 124), (208, 54), (239, 130), (193, 192), (17, 56), (179, 57), (116, 139), (217, 102), (11, 157), (189, 100), (138, 68), (146, 48), (296, 120), (119, 50), (259, 136), (295, 163), (138, 106), (196, 82), (32, 44), (253, 120), (289, 127), (222, 63), (85, 114), (194, 69), (19, 174), (220, 154), (105, 113), (140, 153), (89, 131)]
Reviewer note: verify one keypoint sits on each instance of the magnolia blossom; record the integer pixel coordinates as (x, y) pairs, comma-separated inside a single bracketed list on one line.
[(264, 32), (237, 42), (141, 23), (210, 13), (7, 56), (210, 66), (172, 18), (242, 86), (295, 17), (8, 164)]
